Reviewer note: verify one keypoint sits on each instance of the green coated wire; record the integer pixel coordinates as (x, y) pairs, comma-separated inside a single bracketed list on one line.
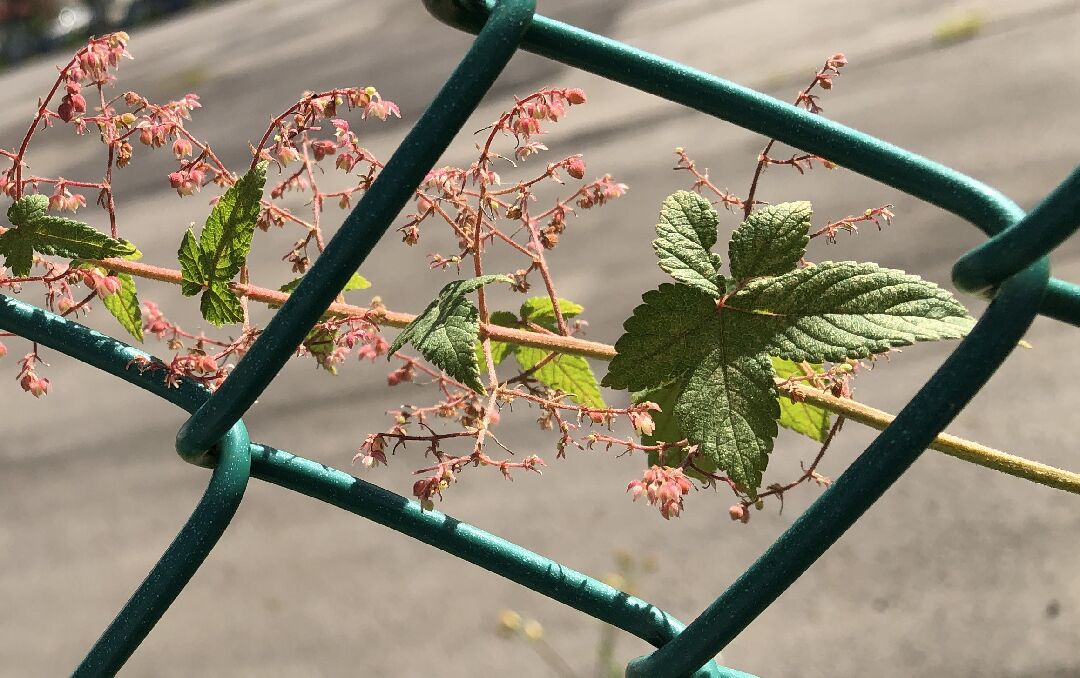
[(936, 404), (187, 552), (1012, 262), (329, 485), (760, 113), (397, 181), (1057, 217)]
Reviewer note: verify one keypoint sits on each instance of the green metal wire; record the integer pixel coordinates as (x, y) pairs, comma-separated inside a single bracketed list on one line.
[(862, 153), (1011, 265), (367, 222), (321, 482)]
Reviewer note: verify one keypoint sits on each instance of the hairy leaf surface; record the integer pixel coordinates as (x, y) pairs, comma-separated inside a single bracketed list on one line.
[(686, 233)]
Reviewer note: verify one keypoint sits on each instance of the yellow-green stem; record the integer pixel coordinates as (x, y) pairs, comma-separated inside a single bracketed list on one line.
[(951, 445)]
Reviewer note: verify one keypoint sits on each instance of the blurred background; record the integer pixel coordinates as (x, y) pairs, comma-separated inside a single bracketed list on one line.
[(957, 570)]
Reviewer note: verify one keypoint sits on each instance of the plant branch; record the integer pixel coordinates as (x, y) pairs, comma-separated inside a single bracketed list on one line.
[(951, 445)]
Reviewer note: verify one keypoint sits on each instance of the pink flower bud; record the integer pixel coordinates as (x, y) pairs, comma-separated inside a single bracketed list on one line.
[(575, 167), (65, 111), (109, 285), (739, 513), (146, 136), (78, 102), (323, 148), (181, 148), (575, 95)]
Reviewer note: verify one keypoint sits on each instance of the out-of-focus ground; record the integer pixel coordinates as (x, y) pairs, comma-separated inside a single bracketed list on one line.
[(957, 570)]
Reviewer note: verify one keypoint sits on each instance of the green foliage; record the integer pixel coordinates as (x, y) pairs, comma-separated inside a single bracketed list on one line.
[(709, 351), (447, 330), (209, 265), (320, 341), (540, 310), (803, 418), (37, 231), (500, 350), (124, 304), (771, 241), (356, 282), (570, 374), (687, 231)]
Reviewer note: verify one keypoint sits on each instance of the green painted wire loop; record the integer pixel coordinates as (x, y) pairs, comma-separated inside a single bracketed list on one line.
[(933, 407), (760, 113), (982, 269), (326, 484), (364, 226), (230, 459), (215, 437)]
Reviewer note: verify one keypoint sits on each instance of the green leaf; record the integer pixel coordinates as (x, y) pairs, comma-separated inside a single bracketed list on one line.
[(193, 279), (499, 349), (667, 335), (729, 410), (17, 246), (770, 241), (220, 306), (124, 304), (356, 282), (320, 343), (686, 233), (209, 265), (447, 330), (570, 374), (37, 231), (809, 420), (540, 310), (226, 238), (838, 310)]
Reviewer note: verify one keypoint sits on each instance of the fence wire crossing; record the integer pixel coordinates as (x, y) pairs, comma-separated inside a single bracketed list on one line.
[(1011, 267)]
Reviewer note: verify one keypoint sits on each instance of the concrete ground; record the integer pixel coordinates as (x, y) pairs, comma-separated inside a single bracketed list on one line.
[(958, 571)]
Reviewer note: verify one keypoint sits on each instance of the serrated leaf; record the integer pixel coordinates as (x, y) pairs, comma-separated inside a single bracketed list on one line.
[(671, 332), (499, 349), (226, 238), (17, 246), (570, 374), (124, 304), (540, 310), (729, 410), (209, 265), (771, 241), (447, 330), (193, 279), (838, 310), (220, 306), (809, 420), (37, 231), (686, 232), (356, 282)]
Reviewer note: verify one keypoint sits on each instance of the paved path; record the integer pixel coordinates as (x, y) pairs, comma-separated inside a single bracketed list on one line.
[(958, 571)]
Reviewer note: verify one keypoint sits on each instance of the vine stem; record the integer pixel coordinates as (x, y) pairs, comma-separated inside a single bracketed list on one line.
[(954, 446)]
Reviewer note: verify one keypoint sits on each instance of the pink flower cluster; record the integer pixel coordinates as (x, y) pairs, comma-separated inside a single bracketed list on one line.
[(104, 285), (28, 378), (664, 487)]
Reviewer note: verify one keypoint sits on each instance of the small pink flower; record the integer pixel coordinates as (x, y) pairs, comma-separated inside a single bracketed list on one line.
[(181, 148), (323, 148), (575, 95), (575, 167)]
